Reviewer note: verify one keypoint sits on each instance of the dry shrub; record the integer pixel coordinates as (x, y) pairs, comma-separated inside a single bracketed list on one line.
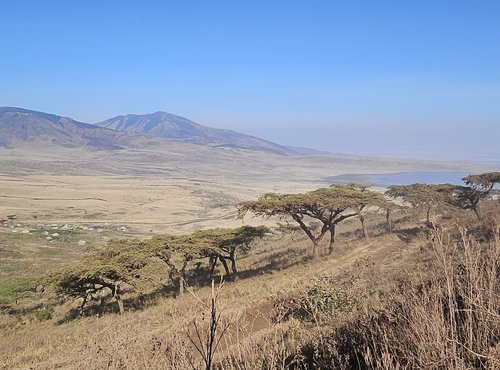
[(450, 322), (275, 348), (321, 303)]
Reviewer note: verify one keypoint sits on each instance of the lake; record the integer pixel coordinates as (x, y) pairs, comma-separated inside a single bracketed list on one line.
[(400, 178)]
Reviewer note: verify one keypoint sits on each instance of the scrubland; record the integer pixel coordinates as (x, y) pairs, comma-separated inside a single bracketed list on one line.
[(409, 298), (424, 295)]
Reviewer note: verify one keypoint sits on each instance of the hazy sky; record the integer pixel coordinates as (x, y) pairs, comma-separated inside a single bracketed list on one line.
[(413, 77)]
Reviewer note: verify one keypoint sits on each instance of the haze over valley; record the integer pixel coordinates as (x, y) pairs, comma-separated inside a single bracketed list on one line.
[(230, 185), (157, 171)]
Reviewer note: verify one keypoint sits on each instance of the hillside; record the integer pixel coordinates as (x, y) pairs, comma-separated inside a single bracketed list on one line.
[(375, 300), (20, 126), (170, 126)]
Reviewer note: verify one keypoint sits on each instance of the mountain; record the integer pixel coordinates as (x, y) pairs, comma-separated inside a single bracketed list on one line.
[(170, 126), (22, 126)]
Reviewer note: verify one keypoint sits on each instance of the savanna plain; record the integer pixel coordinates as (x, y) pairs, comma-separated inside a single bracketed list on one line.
[(186, 256)]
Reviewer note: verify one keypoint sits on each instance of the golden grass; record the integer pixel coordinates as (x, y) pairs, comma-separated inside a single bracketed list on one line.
[(408, 293), (128, 339)]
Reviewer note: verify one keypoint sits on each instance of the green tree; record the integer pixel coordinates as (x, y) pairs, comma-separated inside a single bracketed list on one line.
[(424, 196), (370, 199), (484, 182), (221, 244), (479, 187), (329, 206), (177, 253), (104, 268)]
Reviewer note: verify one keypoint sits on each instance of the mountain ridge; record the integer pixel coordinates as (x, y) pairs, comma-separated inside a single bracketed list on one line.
[(19, 126), (171, 126)]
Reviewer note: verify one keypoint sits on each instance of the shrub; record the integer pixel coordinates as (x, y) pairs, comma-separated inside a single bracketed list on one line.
[(44, 314)]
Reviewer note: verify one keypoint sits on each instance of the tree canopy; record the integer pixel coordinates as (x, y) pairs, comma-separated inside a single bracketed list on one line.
[(220, 244), (479, 187), (485, 181), (327, 205), (426, 196), (103, 268), (108, 267)]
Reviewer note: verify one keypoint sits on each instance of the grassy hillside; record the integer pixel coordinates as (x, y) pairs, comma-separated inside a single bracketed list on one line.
[(378, 303)]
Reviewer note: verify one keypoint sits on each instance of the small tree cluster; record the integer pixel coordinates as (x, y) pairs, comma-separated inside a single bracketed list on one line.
[(329, 206), (103, 269), (422, 196), (107, 268), (219, 244), (317, 213), (447, 196)]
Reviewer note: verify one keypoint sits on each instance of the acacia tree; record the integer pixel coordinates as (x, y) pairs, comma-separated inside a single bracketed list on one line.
[(371, 199), (230, 241), (467, 198), (484, 182), (221, 244), (176, 253), (213, 244), (423, 196), (329, 206), (104, 268), (479, 188)]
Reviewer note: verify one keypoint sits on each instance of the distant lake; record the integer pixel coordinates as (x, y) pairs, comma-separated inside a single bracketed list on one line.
[(401, 178)]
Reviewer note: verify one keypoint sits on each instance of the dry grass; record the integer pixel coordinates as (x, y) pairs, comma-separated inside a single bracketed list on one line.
[(415, 304), (127, 341), (449, 319)]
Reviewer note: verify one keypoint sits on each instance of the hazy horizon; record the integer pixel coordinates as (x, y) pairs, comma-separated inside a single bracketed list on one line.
[(413, 79)]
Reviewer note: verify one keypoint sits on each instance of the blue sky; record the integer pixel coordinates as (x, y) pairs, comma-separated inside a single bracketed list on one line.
[(413, 78)]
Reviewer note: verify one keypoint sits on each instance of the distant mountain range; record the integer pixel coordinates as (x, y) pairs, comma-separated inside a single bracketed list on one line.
[(170, 126), (19, 126)]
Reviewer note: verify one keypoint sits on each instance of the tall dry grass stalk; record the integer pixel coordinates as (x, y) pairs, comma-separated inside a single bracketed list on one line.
[(452, 321), (209, 329)]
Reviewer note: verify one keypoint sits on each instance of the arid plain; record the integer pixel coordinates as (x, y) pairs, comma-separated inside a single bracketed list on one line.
[(58, 203), (172, 188)]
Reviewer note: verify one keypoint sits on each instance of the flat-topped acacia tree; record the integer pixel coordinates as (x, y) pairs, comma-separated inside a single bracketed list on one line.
[(103, 268), (479, 187), (425, 196), (485, 181), (370, 199), (177, 257), (219, 244), (329, 206)]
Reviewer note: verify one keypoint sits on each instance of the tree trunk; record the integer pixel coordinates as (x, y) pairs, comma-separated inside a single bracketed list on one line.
[(315, 249), (118, 298), (315, 240), (232, 257), (182, 284), (213, 263), (476, 211), (182, 280), (388, 220), (363, 226), (82, 305), (224, 263), (332, 239)]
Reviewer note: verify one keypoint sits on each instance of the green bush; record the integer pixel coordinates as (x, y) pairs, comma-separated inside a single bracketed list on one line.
[(324, 301), (15, 289), (44, 314)]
